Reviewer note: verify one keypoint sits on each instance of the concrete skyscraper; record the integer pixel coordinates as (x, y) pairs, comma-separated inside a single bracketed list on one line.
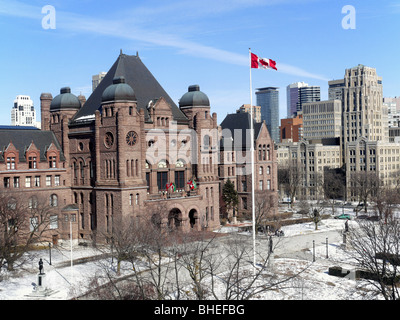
[(268, 100), (363, 112)]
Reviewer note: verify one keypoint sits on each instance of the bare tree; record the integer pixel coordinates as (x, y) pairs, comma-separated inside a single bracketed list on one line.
[(23, 222), (315, 214), (385, 200), (290, 178), (265, 208), (105, 284), (364, 185), (199, 259), (143, 242), (334, 185), (375, 246), (240, 279)]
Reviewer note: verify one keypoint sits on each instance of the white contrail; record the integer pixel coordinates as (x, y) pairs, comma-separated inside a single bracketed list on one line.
[(128, 30)]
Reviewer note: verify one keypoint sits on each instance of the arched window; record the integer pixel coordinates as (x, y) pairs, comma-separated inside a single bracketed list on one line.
[(162, 164), (52, 159), (75, 171), (82, 170), (179, 163), (53, 200), (162, 176), (180, 174), (33, 202), (263, 152), (127, 169)]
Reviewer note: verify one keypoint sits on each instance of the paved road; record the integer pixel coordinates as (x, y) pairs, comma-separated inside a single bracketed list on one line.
[(298, 246)]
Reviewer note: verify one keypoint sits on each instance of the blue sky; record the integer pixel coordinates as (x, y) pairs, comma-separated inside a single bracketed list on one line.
[(186, 42)]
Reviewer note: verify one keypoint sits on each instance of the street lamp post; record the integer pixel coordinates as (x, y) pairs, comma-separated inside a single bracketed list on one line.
[(313, 243), (327, 248), (49, 253)]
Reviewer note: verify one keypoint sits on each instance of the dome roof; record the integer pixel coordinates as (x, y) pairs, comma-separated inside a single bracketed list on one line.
[(118, 91), (65, 100), (194, 98)]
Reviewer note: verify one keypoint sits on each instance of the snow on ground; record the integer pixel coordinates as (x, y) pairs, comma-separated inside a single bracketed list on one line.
[(63, 281)]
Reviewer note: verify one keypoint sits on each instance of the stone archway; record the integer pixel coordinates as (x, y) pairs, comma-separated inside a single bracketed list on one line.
[(175, 218), (193, 217)]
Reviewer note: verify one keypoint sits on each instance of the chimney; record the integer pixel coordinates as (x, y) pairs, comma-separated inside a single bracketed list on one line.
[(45, 101)]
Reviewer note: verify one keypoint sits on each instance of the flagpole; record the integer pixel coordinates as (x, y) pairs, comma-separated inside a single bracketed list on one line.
[(253, 202)]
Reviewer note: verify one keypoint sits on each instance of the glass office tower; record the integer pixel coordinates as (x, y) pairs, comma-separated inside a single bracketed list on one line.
[(268, 99)]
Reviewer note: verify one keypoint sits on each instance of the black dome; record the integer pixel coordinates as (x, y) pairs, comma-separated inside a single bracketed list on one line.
[(194, 98), (118, 91), (65, 100)]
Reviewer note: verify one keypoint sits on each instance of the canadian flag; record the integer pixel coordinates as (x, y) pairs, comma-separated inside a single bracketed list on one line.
[(261, 63)]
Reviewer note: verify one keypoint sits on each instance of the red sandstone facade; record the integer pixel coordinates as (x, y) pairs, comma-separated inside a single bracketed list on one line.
[(114, 155)]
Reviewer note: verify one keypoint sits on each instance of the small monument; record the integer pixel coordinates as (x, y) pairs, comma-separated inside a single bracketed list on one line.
[(39, 289), (41, 276)]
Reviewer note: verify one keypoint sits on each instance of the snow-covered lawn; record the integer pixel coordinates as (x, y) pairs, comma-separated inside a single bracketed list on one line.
[(63, 281)]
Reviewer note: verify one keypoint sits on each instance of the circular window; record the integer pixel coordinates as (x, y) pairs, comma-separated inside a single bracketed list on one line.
[(108, 139), (80, 146), (131, 138)]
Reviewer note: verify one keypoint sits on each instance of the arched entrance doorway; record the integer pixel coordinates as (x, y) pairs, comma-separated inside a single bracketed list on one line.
[(175, 218), (193, 216)]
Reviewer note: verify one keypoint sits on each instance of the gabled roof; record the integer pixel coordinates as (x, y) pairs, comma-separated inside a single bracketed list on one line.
[(22, 138), (143, 83), (239, 126)]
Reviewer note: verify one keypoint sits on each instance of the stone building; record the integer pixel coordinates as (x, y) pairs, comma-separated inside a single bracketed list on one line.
[(34, 169), (311, 159), (126, 153), (235, 160), (129, 154)]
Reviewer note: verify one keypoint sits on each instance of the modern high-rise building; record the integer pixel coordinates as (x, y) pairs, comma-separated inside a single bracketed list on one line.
[(292, 97), (23, 112), (268, 100), (299, 93), (307, 95), (96, 79), (336, 89), (256, 111)]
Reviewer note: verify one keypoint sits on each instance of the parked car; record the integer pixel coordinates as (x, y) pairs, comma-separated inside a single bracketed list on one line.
[(343, 216)]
